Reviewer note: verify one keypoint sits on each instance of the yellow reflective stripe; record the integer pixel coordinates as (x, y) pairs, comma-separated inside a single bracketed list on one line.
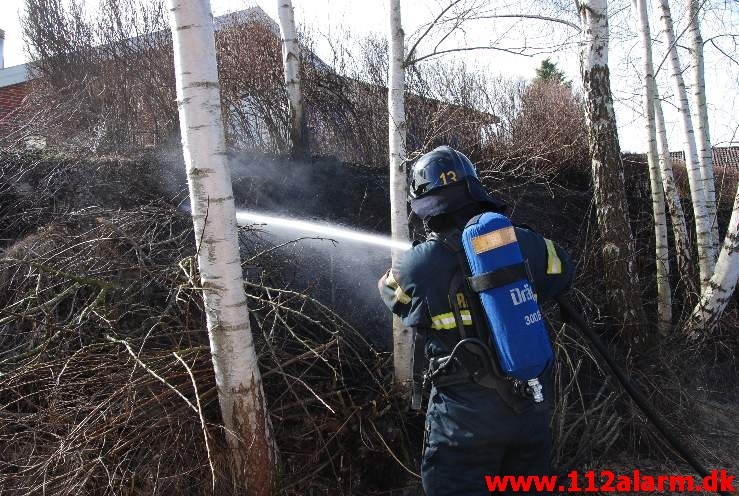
[(401, 296), (493, 240), (466, 317), (554, 264), (443, 321), (446, 321)]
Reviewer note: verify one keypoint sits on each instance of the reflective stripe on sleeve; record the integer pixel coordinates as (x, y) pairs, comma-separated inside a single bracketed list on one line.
[(554, 264), (400, 295), (445, 321)]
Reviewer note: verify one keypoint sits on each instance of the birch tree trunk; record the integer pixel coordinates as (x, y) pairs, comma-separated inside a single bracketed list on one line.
[(402, 338), (703, 135), (248, 431), (619, 266), (695, 177), (664, 295), (720, 288), (677, 216), (291, 64)]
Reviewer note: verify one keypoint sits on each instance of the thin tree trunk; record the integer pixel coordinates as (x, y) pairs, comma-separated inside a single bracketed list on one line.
[(291, 63), (402, 338), (720, 288), (252, 451), (677, 216), (664, 295), (621, 278), (703, 135), (695, 178)]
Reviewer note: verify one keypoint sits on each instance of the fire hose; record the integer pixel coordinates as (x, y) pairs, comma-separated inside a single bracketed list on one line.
[(675, 442)]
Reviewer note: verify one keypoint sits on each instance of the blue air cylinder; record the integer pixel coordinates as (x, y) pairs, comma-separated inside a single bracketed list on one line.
[(519, 335)]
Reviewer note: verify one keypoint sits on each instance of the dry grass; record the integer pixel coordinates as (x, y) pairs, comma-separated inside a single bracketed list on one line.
[(105, 368), (105, 373)]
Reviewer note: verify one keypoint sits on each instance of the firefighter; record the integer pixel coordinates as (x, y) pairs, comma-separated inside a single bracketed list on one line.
[(477, 422)]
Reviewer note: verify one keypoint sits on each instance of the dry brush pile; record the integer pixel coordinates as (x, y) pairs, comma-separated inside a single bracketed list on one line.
[(106, 385)]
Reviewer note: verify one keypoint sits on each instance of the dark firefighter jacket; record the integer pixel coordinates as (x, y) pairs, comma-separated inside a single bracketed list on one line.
[(470, 432), (417, 288)]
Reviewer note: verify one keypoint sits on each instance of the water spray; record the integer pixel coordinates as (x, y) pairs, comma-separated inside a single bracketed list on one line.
[(248, 217)]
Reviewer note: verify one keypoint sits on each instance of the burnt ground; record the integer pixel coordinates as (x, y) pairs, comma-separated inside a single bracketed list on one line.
[(559, 207), (686, 381)]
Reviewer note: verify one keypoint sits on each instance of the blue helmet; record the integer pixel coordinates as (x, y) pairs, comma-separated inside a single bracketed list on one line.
[(444, 180)]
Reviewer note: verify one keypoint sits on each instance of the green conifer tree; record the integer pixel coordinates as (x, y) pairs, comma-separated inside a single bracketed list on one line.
[(548, 71)]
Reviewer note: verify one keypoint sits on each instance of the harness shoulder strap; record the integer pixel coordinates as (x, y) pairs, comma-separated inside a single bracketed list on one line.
[(452, 239), (460, 283), (418, 367), (457, 286)]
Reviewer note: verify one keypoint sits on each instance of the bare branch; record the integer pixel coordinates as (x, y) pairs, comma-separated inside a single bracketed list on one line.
[(431, 25), (530, 16), (515, 51), (728, 56)]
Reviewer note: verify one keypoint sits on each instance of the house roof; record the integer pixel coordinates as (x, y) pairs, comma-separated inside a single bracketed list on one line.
[(20, 74), (723, 156), (13, 75), (726, 156), (252, 14), (256, 14)]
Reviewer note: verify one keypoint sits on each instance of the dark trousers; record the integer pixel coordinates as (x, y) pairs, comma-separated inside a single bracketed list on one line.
[(471, 433)]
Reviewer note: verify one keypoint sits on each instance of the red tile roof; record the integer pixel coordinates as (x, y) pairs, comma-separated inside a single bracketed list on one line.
[(723, 156)]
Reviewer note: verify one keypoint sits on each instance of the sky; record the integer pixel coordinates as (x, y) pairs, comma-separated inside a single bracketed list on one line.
[(351, 19)]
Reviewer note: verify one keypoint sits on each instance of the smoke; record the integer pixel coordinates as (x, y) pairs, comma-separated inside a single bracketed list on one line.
[(321, 190), (320, 221)]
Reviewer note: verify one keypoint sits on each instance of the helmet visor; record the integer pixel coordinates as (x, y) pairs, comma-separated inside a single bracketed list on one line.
[(441, 167)]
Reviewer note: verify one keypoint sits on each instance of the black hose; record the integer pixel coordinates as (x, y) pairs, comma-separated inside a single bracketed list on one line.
[(674, 441), (461, 344)]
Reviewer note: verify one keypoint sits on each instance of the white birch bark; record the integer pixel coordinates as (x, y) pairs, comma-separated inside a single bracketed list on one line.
[(291, 64), (719, 290), (695, 177), (664, 295), (703, 135), (672, 195), (402, 338), (617, 251), (248, 431)]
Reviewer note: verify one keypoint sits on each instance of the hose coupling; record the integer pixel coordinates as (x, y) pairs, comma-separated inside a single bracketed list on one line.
[(535, 390)]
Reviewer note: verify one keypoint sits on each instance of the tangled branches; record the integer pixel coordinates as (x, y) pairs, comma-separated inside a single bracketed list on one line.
[(106, 384)]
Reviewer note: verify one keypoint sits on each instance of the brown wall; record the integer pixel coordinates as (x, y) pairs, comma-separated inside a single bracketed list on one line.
[(11, 97)]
